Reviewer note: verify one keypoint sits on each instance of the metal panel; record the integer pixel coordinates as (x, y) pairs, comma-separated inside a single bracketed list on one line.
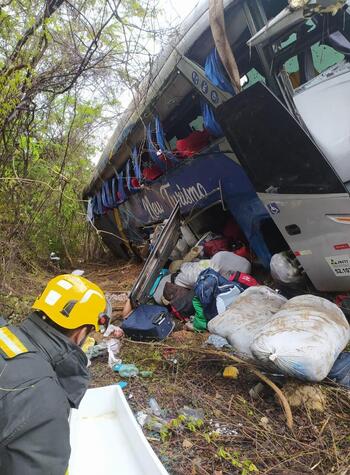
[(196, 76), (158, 257)]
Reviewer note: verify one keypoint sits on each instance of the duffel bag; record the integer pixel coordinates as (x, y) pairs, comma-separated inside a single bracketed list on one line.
[(148, 322)]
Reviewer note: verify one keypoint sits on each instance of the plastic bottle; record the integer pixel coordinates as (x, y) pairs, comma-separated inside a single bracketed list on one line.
[(126, 370), (156, 410)]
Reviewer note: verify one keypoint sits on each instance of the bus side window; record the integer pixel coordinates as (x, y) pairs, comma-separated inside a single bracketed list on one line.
[(322, 56), (325, 56)]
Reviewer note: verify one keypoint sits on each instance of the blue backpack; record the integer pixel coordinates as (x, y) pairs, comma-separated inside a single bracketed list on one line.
[(209, 285)]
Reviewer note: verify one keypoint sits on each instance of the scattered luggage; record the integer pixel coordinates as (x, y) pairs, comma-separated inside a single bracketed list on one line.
[(216, 245), (226, 263), (148, 322), (242, 250), (179, 298), (225, 299), (340, 371), (232, 231), (284, 268), (199, 321), (304, 338), (161, 274), (245, 280), (189, 273), (158, 293), (245, 317), (209, 285)]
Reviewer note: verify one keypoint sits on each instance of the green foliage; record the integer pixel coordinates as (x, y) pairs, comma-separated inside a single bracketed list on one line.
[(61, 69), (180, 424), (233, 457)]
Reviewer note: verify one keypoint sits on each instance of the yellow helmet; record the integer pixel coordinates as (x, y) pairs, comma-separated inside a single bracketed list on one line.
[(71, 301)]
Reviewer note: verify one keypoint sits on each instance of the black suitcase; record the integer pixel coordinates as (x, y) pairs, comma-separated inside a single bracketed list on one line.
[(148, 322)]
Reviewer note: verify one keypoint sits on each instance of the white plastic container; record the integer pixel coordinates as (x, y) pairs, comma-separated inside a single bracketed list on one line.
[(106, 439)]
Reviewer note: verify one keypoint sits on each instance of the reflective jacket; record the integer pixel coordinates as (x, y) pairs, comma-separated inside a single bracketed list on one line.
[(42, 375)]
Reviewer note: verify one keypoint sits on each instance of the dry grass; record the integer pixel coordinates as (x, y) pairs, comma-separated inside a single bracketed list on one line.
[(319, 442)]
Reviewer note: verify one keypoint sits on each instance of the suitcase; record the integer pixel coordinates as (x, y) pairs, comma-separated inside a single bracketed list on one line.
[(148, 322)]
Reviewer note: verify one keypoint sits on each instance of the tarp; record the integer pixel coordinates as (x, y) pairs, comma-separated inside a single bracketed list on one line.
[(136, 164), (161, 142), (121, 192), (97, 204), (216, 73), (106, 195)]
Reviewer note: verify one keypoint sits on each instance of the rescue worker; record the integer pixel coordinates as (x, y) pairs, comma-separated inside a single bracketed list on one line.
[(43, 373)]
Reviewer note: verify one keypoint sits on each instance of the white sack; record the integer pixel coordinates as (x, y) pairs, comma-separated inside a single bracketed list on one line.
[(283, 269), (304, 338), (226, 263), (189, 273), (245, 317)]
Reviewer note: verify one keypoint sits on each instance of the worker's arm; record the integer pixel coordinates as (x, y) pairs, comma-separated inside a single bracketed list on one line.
[(39, 445)]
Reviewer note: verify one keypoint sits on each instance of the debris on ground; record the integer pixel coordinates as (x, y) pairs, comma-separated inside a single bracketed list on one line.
[(309, 396), (192, 413), (126, 370), (230, 372), (217, 341)]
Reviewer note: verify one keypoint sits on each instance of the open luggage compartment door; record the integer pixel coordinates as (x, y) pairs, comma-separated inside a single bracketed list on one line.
[(158, 257), (300, 189)]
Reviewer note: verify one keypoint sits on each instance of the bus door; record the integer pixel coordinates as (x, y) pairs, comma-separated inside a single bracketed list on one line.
[(301, 191)]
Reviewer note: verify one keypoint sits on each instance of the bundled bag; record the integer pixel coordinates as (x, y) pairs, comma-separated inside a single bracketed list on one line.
[(216, 245), (199, 321), (225, 299), (244, 318), (340, 371), (189, 273), (303, 339), (284, 268), (209, 285), (226, 263), (180, 299), (242, 250), (148, 322), (245, 280)]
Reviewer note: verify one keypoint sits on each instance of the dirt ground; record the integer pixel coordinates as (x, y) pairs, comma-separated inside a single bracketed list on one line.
[(236, 433)]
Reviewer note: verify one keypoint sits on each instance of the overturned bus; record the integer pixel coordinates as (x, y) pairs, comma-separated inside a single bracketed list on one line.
[(272, 152)]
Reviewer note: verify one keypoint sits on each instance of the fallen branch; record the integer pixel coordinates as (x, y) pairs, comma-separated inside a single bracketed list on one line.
[(281, 397)]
